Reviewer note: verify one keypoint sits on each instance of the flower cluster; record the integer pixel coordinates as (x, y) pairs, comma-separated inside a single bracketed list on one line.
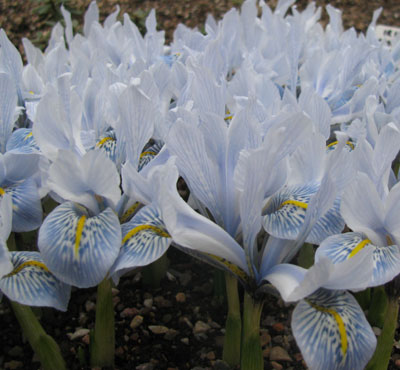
[(283, 131)]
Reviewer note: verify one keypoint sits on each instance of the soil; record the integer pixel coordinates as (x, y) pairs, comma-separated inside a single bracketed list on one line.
[(178, 325)]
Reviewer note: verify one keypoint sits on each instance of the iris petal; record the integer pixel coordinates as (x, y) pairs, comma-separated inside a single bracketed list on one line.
[(286, 211), (31, 283), (144, 240), (78, 248), (332, 332)]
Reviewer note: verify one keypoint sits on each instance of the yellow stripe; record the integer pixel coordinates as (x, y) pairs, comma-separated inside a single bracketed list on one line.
[(339, 322), (358, 247), (28, 136), (228, 117), (231, 266), (349, 143), (2, 192), (78, 235), (26, 264), (139, 228), (104, 140), (129, 212), (389, 240), (147, 153), (296, 203)]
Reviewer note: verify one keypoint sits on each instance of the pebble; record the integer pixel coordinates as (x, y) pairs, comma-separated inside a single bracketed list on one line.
[(146, 366), (129, 312), (185, 341), (266, 352), (185, 320), (397, 363), (158, 329), (265, 338), (278, 327), (148, 302), (90, 306), (276, 365), (136, 321), (86, 339), (377, 331), (171, 334), (180, 297), (166, 318), (201, 327), (83, 318), (114, 291), (210, 356), (79, 333), (279, 354)]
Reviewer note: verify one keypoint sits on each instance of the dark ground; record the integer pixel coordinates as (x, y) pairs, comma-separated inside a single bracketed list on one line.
[(179, 325)]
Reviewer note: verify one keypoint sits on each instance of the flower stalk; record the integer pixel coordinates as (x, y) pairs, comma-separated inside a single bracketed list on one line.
[(43, 344), (102, 346), (251, 352), (381, 357), (233, 324)]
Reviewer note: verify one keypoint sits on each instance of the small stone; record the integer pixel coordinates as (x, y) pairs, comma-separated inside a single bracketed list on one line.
[(129, 312), (146, 366), (265, 338), (185, 278), (79, 333), (119, 351), (116, 300), (397, 363), (186, 321), (126, 338), (114, 291), (279, 354), (171, 334), (158, 329), (377, 331), (13, 365), (219, 341), (16, 351), (185, 341), (86, 339), (278, 327), (136, 321), (201, 327), (83, 318), (180, 297), (90, 306), (276, 365), (210, 356), (148, 302)]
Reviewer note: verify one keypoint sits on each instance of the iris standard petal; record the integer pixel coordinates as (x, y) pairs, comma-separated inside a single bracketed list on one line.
[(331, 331), (286, 211), (80, 249), (31, 283), (144, 240)]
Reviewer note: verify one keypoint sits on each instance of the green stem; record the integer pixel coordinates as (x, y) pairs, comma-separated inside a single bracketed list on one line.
[(43, 344), (381, 357), (102, 346), (377, 309), (251, 354), (155, 272), (233, 324)]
